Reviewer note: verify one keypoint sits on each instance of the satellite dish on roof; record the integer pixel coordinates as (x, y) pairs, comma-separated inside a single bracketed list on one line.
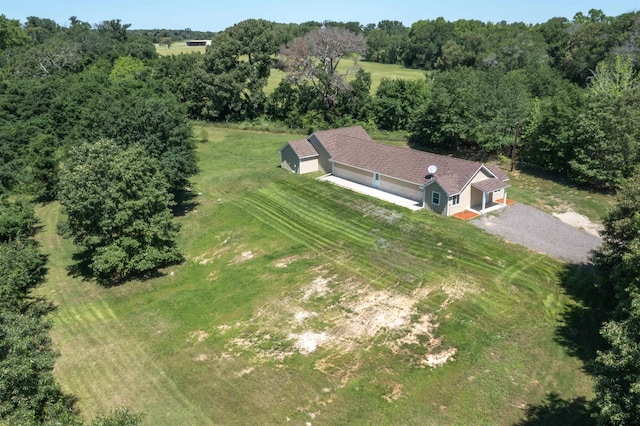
[(432, 169)]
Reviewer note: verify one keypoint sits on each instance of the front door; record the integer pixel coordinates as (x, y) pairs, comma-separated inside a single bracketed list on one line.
[(376, 180)]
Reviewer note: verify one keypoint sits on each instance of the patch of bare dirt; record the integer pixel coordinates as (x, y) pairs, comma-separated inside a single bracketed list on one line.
[(286, 261), (395, 393), (214, 253), (245, 371), (579, 221), (197, 336), (436, 360), (381, 214), (307, 341), (340, 332), (319, 287), (361, 316), (245, 256)]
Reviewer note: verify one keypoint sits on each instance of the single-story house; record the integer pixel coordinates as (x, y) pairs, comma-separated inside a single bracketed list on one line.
[(444, 184)]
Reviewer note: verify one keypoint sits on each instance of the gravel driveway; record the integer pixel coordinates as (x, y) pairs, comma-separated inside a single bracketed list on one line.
[(532, 228)]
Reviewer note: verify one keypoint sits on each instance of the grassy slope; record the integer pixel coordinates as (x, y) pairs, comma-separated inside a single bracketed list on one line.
[(197, 345), (378, 71)]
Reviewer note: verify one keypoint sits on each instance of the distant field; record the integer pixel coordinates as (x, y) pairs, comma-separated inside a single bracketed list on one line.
[(177, 48), (302, 302), (378, 71)]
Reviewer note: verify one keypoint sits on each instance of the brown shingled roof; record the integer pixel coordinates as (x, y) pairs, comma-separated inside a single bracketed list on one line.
[(490, 185), (303, 148), (497, 171), (353, 146)]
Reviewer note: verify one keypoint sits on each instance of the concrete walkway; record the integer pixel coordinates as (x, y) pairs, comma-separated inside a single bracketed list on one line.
[(372, 192)]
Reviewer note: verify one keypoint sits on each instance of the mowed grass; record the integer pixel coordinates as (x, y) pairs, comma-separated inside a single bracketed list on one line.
[(270, 257), (178, 48), (552, 195), (347, 67)]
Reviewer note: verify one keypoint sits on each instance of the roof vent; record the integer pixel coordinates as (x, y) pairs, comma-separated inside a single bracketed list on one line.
[(432, 170)]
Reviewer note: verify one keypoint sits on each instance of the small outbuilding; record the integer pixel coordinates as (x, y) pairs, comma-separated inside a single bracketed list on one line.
[(444, 184), (196, 43)]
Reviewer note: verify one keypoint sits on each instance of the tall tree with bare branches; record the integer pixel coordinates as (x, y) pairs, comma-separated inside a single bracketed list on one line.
[(315, 58)]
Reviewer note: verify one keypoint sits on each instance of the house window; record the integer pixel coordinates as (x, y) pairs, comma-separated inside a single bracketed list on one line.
[(455, 200), (435, 198)]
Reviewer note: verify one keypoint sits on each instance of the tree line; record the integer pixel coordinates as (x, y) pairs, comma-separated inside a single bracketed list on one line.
[(91, 116), (568, 84)]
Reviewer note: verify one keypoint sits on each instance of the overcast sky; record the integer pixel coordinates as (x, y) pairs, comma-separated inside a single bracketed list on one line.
[(216, 15)]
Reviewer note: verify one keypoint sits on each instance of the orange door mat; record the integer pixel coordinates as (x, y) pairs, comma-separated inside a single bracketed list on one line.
[(466, 215), (509, 201)]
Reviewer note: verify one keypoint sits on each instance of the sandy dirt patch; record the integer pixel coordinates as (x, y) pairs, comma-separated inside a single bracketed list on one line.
[(197, 336), (395, 393), (361, 316), (286, 261), (245, 256), (308, 341), (338, 333), (214, 253), (319, 287), (245, 371), (579, 221)]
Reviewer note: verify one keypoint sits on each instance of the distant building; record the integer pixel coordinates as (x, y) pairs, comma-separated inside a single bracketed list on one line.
[(195, 43)]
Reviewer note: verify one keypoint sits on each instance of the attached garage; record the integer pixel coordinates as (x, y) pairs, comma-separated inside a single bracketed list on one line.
[(299, 157)]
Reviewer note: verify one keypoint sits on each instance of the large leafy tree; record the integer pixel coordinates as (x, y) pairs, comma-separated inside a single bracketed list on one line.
[(608, 131), (426, 39), (396, 100), (473, 109), (618, 261), (387, 42), (234, 71), (118, 209), (11, 34), (130, 115), (547, 140), (28, 391)]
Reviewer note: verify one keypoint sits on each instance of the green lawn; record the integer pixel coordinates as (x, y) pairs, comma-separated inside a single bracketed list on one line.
[(378, 71), (276, 263), (178, 48)]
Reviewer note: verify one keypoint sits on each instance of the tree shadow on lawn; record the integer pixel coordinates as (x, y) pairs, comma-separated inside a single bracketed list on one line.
[(81, 268), (560, 412), (579, 329), (579, 332), (186, 201)]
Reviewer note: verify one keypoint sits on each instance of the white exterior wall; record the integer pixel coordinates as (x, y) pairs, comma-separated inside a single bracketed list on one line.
[(353, 174), (308, 165), (408, 190), (291, 162), (465, 202)]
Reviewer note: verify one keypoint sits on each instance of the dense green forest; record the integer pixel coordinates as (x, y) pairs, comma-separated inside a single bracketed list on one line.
[(91, 116)]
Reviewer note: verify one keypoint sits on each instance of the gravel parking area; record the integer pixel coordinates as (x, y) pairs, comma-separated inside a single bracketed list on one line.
[(534, 229)]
